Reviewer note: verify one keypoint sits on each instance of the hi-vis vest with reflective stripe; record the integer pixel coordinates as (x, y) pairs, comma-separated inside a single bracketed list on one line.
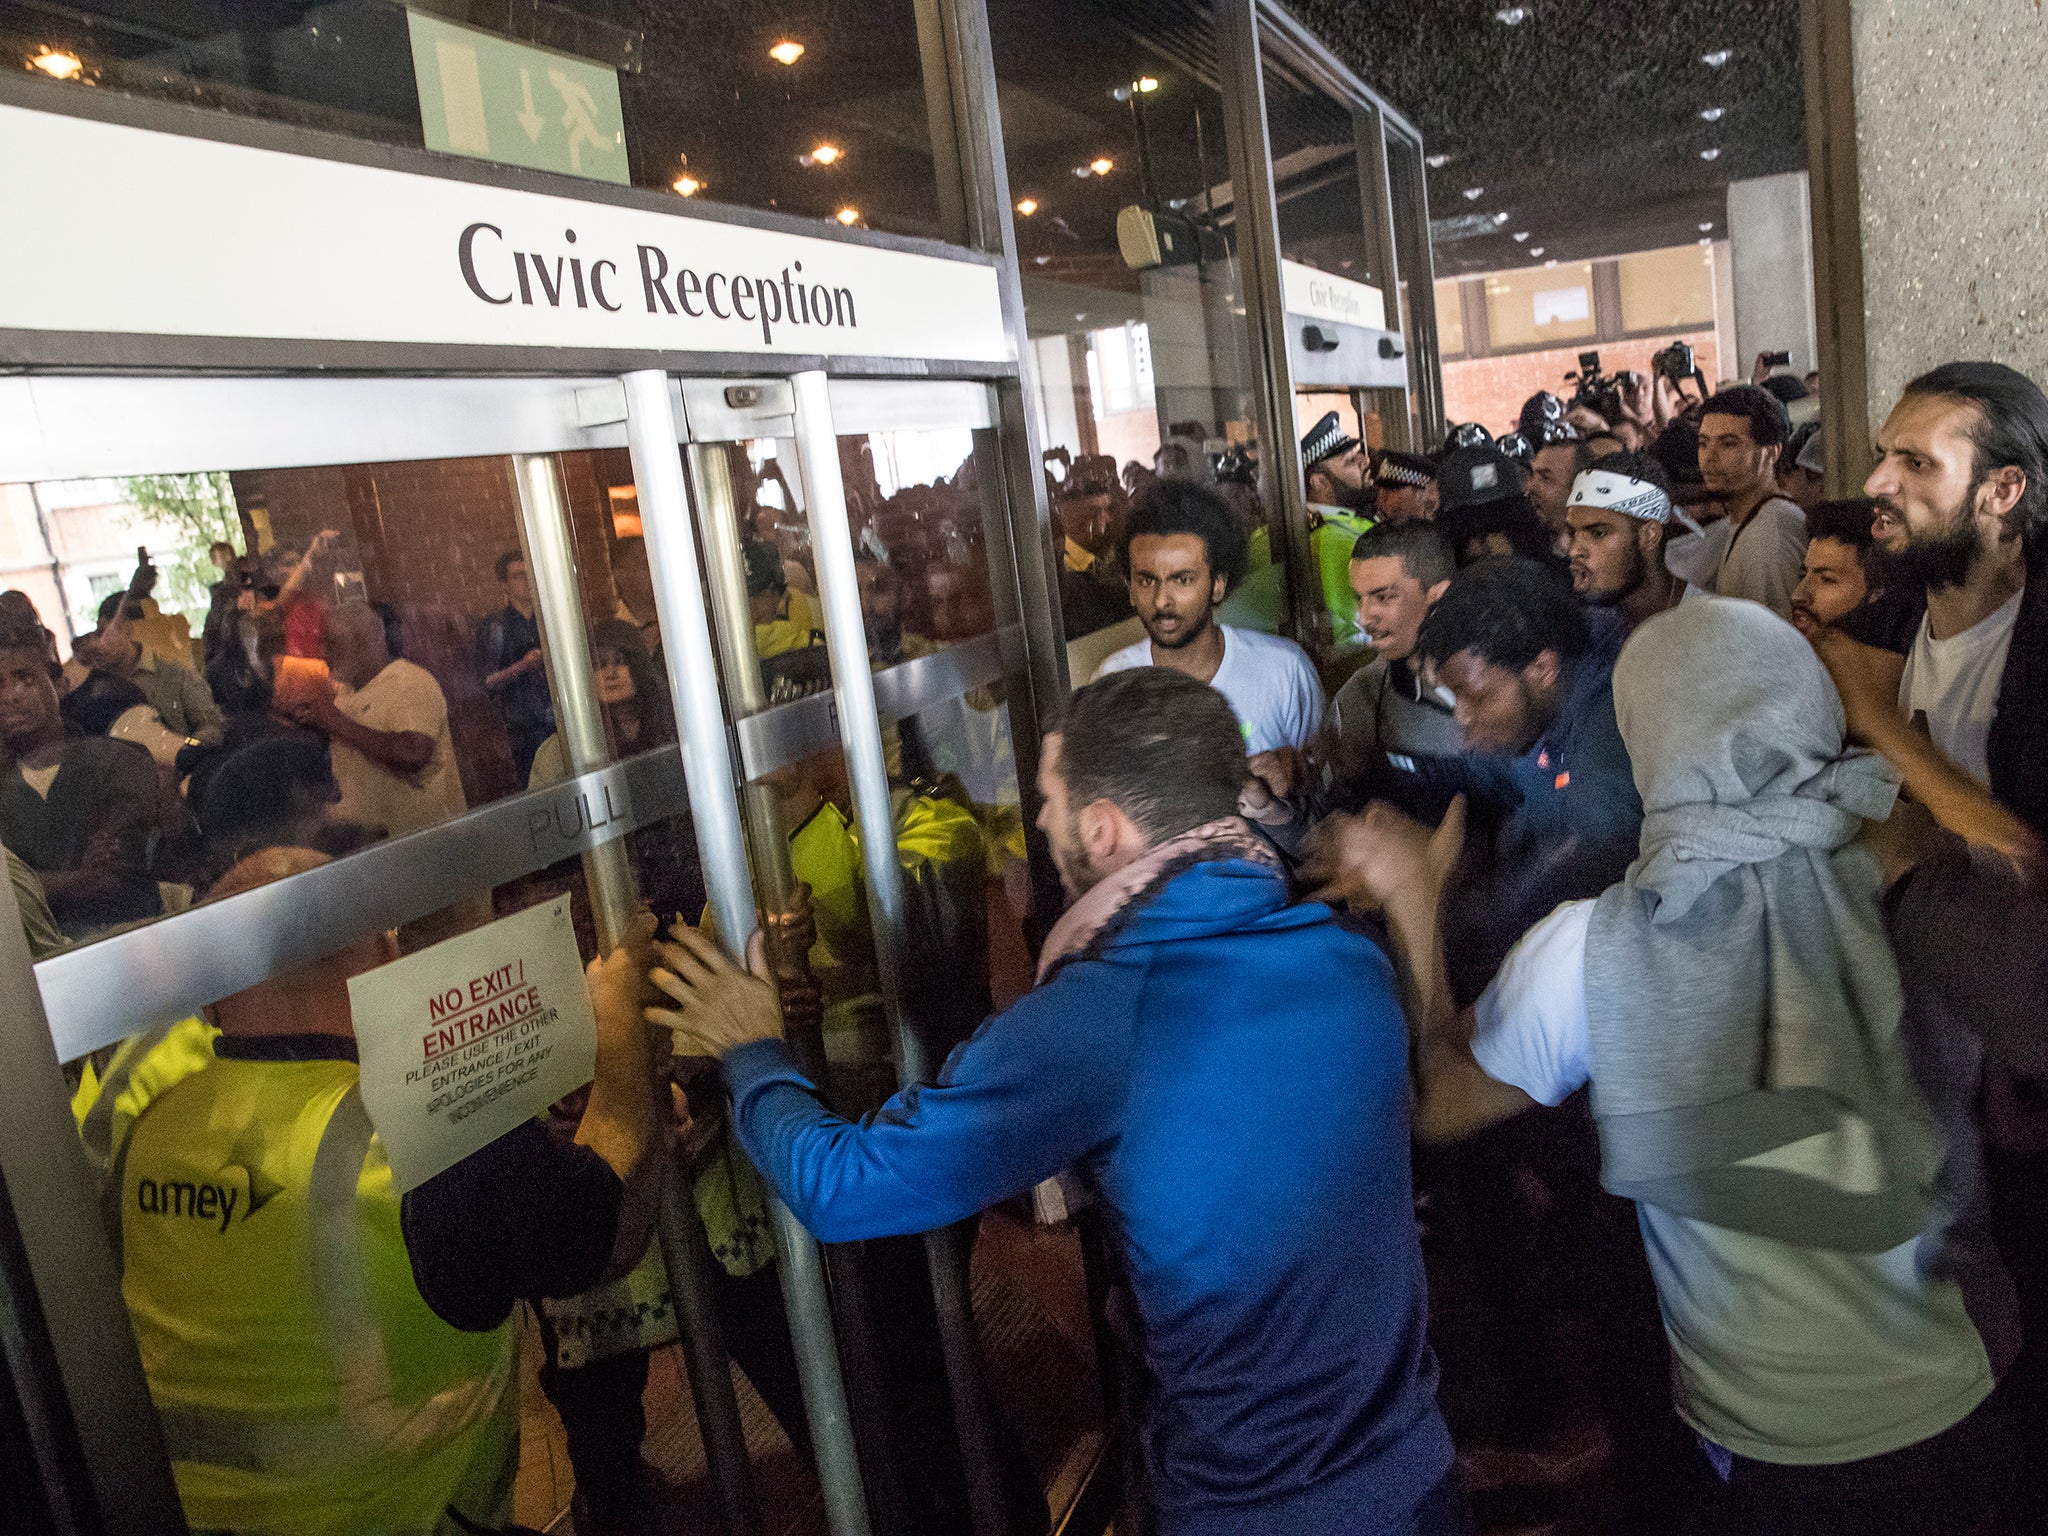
[(304, 1385)]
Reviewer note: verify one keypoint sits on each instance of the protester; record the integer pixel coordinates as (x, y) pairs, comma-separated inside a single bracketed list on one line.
[(1754, 550), (1483, 510), (1531, 673), (1290, 1393), (388, 722), (81, 811), (1619, 516), (394, 1389), (1088, 511), (1397, 570), (179, 695), (1803, 468), (514, 672), (1762, 1111), (1560, 457), (1846, 583), (1961, 490), (1184, 553)]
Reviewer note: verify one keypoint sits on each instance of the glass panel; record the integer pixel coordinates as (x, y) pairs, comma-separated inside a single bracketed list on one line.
[(1450, 317), (1662, 289), (1315, 173), (347, 636), (324, 565), (1113, 129), (673, 98), (1408, 190), (1541, 306)]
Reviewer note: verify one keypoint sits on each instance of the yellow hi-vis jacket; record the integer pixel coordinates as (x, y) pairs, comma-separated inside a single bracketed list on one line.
[(304, 1385)]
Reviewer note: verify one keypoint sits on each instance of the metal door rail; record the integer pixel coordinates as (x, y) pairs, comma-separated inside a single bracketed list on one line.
[(169, 969)]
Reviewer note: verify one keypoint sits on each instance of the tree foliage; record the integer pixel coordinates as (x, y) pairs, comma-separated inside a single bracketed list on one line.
[(201, 507)]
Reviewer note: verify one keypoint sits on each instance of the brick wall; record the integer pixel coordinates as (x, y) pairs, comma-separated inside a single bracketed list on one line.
[(1491, 390), (426, 536)]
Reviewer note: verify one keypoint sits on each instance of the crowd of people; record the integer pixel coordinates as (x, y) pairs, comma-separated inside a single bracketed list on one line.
[(1698, 817), (1644, 942)]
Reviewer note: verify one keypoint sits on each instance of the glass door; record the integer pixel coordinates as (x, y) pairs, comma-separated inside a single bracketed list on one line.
[(857, 546), (306, 675)]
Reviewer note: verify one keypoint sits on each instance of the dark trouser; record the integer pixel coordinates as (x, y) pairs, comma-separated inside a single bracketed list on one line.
[(1962, 1482), (603, 1416), (603, 1420)]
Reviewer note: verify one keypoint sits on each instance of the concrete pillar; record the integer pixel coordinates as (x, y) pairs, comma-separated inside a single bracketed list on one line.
[(1771, 240), (1949, 99), (1725, 350), (1930, 206)]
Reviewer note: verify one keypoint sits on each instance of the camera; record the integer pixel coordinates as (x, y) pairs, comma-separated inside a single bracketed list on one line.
[(1675, 362), (1777, 359), (1595, 391)]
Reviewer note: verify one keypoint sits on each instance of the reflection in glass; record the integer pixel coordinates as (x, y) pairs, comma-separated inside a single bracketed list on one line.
[(704, 104), (1131, 285)]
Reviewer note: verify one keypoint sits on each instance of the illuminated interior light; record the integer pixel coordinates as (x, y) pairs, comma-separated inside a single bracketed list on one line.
[(1027, 206), (848, 216), (786, 52), (1102, 165), (57, 64)]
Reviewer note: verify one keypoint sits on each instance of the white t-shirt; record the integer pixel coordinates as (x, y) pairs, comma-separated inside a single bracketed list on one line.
[(1784, 1354), (402, 697), (1268, 680), (1955, 681)]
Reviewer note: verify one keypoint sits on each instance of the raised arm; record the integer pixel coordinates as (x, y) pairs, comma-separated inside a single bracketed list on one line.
[(1034, 1090), (1386, 860)]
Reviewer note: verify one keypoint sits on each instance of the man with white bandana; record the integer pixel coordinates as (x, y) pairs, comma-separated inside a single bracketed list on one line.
[(1619, 514)]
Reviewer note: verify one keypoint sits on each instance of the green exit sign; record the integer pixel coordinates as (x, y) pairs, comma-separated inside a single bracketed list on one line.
[(483, 96)]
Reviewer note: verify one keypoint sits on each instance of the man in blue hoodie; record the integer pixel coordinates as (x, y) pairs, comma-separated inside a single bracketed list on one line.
[(1226, 1071)]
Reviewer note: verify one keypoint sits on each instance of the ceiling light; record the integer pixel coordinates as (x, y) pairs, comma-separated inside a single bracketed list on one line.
[(786, 52), (1102, 165), (848, 216), (1041, 260), (1511, 15), (1706, 226), (1537, 250), (1146, 85), (1715, 59), (1082, 173), (57, 64), (1520, 236), (685, 184), (1436, 162), (1708, 241), (825, 154), (1710, 154), (1027, 206), (1473, 194), (1713, 114), (1500, 218), (1550, 263)]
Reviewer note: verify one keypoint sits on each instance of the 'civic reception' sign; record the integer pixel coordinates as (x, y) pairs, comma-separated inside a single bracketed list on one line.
[(1317, 295), (258, 243), (461, 1042)]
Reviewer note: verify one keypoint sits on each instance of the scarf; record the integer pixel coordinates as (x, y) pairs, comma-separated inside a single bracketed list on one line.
[(1103, 909), (1741, 993)]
